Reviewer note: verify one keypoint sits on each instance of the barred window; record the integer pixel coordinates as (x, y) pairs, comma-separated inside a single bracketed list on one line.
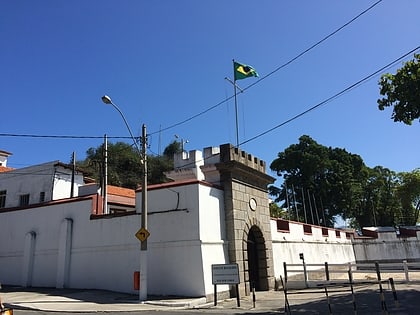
[(42, 196), (3, 198), (24, 200)]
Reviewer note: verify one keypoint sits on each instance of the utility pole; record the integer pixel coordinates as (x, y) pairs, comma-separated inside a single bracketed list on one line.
[(143, 248), (105, 177), (143, 233)]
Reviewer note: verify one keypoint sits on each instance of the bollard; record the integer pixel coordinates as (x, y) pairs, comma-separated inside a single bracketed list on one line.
[(407, 278), (394, 292), (328, 300), (305, 274), (253, 294), (327, 272), (352, 291), (381, 291), (286, 301)]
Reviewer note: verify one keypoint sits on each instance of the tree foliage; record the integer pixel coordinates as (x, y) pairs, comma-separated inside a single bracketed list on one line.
[(125, 164), (321, 183), (409, 195), (276, 211), (402, 91)]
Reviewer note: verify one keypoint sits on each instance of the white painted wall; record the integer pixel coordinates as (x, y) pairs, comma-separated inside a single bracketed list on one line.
[(317, 248), (51, 178), (186, 238), (60, 245), (387, 247)]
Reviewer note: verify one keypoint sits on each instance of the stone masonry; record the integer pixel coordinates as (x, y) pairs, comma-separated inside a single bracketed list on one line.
[(245, 182)]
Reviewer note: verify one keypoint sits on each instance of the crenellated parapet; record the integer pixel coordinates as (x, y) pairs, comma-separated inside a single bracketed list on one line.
[(209, 164), (228, 152)]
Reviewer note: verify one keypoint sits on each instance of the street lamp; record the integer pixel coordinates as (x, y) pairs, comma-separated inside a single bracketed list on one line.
[(143, 257)]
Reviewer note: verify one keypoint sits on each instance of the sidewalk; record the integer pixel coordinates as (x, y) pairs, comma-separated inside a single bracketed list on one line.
[(367, 300), (72, 300)]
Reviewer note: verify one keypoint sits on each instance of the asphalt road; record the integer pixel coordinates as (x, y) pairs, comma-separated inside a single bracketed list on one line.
[(367, 300)]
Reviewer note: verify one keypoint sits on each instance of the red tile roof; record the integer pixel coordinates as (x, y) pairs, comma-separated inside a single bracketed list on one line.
[(4, 169), (120, 191)]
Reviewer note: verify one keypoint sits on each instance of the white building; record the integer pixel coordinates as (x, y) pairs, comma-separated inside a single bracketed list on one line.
[(3, 159), (42, 183), (214, 212)]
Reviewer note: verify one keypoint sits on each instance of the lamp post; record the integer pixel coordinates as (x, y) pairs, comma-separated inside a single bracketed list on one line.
[(143, 256)]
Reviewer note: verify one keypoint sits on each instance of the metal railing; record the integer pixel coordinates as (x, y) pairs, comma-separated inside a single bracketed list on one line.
[(359, 272), (337, 278)]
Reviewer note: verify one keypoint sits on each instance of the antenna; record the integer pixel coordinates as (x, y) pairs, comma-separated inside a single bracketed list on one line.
[(182, 142)]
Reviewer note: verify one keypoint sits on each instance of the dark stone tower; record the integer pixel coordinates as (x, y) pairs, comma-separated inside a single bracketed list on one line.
[(248, 230)]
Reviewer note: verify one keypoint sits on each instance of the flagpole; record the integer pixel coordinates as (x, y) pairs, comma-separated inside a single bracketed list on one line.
[(236, 103)]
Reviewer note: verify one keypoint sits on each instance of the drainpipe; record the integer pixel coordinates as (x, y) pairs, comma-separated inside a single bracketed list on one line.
[(73, 170)]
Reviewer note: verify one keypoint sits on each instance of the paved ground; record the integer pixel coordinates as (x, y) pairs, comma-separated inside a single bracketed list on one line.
[(367, 300)]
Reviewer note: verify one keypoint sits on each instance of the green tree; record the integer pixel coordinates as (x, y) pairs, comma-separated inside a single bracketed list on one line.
[(125, 165), (319, 182), (409, 195), (378, 203), (276, 211), (402, 91), (172, 148), (323, 182)]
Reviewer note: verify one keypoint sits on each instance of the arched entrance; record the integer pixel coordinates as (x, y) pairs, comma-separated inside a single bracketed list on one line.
[(257, 260)]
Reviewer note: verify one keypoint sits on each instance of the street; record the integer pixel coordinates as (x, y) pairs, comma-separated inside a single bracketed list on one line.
[(367, 300)]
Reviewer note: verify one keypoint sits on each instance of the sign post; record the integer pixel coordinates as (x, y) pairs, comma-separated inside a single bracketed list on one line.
[(225, 274)]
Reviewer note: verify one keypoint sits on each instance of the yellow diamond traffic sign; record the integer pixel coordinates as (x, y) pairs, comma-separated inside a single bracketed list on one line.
[(142, 234)]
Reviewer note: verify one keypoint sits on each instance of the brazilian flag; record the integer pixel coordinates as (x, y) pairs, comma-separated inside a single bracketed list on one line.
[(243, 71)]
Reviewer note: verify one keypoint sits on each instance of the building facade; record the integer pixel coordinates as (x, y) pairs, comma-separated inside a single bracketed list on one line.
[(38, 184), (215, 211)]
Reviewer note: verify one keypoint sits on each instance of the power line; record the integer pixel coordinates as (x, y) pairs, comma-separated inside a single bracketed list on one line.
[(217, 104), (272, 72), (57, 136), (347, 89), (313, 46), (331, 97)]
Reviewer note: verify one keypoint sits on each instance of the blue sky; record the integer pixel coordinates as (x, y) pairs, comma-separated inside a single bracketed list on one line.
[(163, 62)]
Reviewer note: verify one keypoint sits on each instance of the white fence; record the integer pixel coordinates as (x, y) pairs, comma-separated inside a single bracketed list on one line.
[(312, 275)]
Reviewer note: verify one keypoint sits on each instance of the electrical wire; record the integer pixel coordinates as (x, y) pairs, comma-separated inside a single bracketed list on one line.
[(312, 47), (329, 99), (347, 89), (272, 72), (58, 136), (217, 104)]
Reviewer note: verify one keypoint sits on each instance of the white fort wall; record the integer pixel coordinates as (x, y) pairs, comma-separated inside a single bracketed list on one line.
[(187, 236), (58, 245), (61, 246), (388, 244), (318, 244)]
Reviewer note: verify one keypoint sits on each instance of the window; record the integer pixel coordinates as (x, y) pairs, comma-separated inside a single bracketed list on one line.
[(24, 200), (42, 196), (307, 229), (3, 198), (283, 225)]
